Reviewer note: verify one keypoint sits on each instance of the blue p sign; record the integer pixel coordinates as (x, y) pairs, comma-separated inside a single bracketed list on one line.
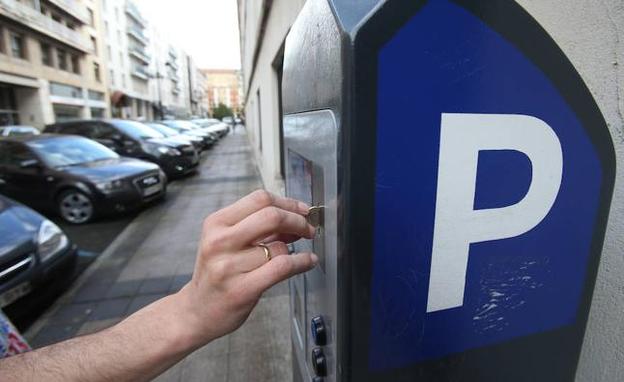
[(493, 176)]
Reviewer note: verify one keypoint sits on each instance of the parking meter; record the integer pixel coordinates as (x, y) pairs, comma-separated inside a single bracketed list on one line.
[(465, 175)]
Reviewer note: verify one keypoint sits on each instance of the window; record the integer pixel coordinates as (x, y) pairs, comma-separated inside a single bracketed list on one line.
[(65, 90), (95, 95), (17, 45), (96, 72), (2, 47), (111, 77), (106, 28), (110, 52), (46, 54), (94, 45), (75, 64), (57, 18), (91, 17), (71, 26), (15, 154), (61, 56)]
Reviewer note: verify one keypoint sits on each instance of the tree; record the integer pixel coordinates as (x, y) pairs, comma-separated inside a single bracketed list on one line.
[(222, 111)]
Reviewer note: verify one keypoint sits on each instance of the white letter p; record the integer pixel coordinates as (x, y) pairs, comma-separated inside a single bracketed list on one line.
[(457, 223)]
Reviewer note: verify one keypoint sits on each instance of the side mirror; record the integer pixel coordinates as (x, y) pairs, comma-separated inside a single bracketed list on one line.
[(30, 163)]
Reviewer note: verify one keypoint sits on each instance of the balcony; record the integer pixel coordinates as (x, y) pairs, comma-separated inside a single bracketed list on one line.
[(140, 54), (133, 11), (137, 33), (140, 72), (174, 77), (33, 19), (176, 90), (75, 8)]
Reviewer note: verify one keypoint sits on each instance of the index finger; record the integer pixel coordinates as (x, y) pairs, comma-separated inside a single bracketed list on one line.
[(256, 201)]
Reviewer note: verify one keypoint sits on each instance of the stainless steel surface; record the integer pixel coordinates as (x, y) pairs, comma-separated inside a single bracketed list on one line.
[(312, 136)]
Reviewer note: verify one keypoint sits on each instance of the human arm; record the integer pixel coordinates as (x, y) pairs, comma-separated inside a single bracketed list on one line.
[(230, 275)]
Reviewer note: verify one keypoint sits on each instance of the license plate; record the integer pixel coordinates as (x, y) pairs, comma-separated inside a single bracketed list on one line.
[(152, 190), (13, 294)]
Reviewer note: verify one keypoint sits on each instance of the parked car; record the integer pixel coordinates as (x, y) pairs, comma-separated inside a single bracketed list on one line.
[(33, 251), (136, 140), (7, 131), (213, 126), (76, 177), (189, 128), (168, 132)]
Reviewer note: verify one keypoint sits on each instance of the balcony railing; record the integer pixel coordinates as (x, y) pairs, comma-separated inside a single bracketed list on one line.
[(138, 34), (74, 8), (33, 19), (133, 11), (141, 54)]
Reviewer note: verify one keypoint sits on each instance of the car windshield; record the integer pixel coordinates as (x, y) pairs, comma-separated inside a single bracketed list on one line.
[(137, 130), (164, 130), (70, 151)]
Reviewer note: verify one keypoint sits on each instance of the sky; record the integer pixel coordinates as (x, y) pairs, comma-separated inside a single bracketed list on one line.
[(206, 29)]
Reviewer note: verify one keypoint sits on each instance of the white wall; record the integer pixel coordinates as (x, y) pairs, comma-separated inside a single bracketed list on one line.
[(590, 34), (281, 17)]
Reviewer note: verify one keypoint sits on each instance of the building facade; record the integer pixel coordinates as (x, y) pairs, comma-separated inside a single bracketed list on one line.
[(223, 86), (52, 67), (264, 26), (129, 57), (590, 35), (170, 79)]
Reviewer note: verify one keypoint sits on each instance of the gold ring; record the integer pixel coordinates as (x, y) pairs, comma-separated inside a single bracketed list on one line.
[(267, 253)]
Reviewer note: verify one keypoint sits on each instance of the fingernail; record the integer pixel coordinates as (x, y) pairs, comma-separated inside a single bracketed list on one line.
[(303, 207), (314, 259)]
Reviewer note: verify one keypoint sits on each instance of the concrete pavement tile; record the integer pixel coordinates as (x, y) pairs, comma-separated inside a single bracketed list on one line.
[(92, 291), (51, 334), (142, 301), (156, 285), (96, 326), (252, 365), (108, 309), (179, 281), (72, 314), (204, 369), (124, 289)]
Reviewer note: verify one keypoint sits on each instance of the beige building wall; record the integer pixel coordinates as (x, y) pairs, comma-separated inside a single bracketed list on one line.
[(68, 42)]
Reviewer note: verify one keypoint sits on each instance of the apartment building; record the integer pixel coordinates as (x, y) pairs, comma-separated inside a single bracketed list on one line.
[(170, 79), (129, 57), (51, 62), (223, 86), (197, 89)]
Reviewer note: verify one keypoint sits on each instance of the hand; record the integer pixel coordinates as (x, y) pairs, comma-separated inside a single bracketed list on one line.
[(232, 272)]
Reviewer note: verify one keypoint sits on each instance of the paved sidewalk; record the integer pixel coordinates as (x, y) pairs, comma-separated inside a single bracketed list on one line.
[(155, 256)]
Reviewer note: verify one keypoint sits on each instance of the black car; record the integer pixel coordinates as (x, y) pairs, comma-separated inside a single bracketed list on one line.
[(136, 140), (168, 132), (33, 251), (75, 176)]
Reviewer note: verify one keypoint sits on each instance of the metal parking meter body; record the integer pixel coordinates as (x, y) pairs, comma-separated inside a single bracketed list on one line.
[(465, 175)]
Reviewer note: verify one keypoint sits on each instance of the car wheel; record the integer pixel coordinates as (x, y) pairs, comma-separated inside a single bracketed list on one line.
[(75, 207)]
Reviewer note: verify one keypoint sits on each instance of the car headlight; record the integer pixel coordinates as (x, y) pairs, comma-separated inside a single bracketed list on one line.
[(169, 151), (50, 240), (109, 186)]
